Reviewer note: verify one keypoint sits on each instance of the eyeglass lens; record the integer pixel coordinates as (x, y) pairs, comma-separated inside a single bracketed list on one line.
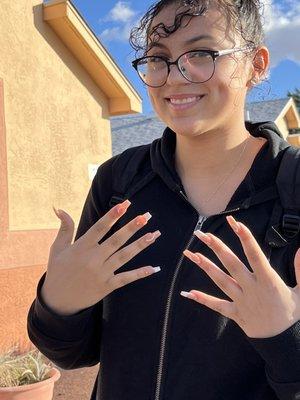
[(196, 66)]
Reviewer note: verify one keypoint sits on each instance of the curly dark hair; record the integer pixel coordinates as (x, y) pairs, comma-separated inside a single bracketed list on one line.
[(244, 15)]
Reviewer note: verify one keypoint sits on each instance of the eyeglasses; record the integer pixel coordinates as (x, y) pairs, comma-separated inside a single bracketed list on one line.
[(197, 66)]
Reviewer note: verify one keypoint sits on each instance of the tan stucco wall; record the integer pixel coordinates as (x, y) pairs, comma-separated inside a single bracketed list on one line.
[(53, 124), (56, 119), (18, 288)]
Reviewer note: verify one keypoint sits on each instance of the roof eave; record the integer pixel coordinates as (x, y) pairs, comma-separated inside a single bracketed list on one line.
[(67, 23), (290, 106)]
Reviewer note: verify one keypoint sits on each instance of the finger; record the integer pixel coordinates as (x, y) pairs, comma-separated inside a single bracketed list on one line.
[(124, 255), (224, 307), (119, 238), (230, 261), (256, 257), (104, 224), (65, 234), (124, 278), (224, 281)]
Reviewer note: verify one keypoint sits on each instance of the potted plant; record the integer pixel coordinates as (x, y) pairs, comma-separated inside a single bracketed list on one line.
[(26, 376)]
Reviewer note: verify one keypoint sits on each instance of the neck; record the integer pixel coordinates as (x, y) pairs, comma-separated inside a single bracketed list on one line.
[(210, 154)]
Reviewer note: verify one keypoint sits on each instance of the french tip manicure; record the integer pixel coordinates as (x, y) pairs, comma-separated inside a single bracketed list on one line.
[(156, 269), (185, 294), (126, 203), (233, 223), (147, 215)]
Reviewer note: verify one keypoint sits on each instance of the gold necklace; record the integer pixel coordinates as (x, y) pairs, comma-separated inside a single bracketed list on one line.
[(225, 179)]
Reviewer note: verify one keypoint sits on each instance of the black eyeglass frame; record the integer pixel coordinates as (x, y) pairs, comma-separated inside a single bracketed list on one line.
[(213, 53)]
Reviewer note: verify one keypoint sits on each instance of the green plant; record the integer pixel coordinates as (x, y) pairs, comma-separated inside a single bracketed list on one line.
[(22, 369)]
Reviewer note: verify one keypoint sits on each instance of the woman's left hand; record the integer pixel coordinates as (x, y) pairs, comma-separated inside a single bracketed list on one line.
[(262, 304)]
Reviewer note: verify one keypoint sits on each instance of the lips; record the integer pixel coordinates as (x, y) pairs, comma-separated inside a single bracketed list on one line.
[(183, 101)]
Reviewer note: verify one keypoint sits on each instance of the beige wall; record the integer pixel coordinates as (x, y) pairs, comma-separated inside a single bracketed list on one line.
[(53, 124), (56, 119)]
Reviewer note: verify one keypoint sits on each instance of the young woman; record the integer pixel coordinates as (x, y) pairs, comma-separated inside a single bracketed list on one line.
[(220, 319)]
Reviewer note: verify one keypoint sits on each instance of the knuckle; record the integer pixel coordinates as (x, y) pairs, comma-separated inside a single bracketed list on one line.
[(114, 241), (98, 227), (123, 281), (142, 272), (255, 259), (123, 256), (133, 226), (218, 309), (113, 284), (141, 244)]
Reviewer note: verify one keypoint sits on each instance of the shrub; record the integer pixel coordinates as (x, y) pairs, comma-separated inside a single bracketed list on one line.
[(22, 369)]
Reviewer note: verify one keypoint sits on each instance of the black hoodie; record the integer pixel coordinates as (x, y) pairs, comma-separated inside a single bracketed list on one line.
[(152, 343)]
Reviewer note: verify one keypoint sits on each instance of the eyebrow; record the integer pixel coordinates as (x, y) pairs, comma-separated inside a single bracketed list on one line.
[(190, 41)]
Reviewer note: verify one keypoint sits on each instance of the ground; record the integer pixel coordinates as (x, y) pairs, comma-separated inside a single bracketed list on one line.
[(75, 384)]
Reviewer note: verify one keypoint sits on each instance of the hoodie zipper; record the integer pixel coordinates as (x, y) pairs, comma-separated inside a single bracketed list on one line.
[(201, 220)]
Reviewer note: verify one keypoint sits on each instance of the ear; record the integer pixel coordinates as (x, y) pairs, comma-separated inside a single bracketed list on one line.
[(259, 67)]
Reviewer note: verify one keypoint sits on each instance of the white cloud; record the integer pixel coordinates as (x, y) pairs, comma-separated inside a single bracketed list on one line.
[(121, 12), (120, 33), (125, 17), (282, 26)]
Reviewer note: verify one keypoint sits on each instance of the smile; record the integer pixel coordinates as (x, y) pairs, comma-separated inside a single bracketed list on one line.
[(183, 103)]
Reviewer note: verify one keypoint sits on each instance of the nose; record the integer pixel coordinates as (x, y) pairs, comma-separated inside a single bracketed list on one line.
[(175, 76)]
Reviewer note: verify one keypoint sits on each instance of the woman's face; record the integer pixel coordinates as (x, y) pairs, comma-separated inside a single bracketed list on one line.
[(215, 103)]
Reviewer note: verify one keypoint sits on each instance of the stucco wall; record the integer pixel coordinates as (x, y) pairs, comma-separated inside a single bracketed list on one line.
[(18, 288), (56, 119), (53, 124)]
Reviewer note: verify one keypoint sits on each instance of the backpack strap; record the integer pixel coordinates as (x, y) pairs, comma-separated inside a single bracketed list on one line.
[(284, 223), (130, 172), (288, 183)]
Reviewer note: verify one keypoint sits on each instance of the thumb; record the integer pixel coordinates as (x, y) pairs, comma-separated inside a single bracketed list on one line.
[(65, 234), (297, 266)]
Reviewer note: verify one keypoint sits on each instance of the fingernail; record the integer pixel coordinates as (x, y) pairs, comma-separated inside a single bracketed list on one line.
[(143, 219), (191, 255), (233, 223), (121, 208), (147, 215), (57, 212), (187, 294), (156, 269), (152, 236), (202, 236)]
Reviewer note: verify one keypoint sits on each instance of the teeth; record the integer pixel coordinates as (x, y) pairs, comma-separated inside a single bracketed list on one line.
[(183, 101)]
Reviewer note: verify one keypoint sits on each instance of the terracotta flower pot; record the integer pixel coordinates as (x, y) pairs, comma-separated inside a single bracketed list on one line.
[(36, 391)]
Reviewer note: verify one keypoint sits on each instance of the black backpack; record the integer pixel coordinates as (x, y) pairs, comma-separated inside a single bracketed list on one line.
[(130, 173)]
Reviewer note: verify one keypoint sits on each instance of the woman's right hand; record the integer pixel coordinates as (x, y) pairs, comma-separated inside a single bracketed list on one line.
[(83, 273)]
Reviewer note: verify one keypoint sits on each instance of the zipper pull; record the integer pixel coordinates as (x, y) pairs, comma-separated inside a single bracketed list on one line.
[(200, 222)]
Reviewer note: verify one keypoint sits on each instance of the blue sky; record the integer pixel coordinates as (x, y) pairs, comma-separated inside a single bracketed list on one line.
[(112, 20)]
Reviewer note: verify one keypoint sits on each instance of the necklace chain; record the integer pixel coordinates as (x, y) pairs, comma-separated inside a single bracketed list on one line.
[(225, 179)]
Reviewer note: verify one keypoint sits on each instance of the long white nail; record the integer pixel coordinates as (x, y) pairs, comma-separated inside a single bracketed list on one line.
[(156, 269), (189, 295), (185, 294), (152, 236), (147, 215)]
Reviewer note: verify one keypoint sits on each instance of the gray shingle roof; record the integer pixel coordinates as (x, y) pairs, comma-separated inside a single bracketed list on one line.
[(134, 130), (130, 131), (265, 110)]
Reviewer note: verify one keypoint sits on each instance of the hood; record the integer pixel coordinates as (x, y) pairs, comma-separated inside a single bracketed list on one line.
[(260, 176)]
